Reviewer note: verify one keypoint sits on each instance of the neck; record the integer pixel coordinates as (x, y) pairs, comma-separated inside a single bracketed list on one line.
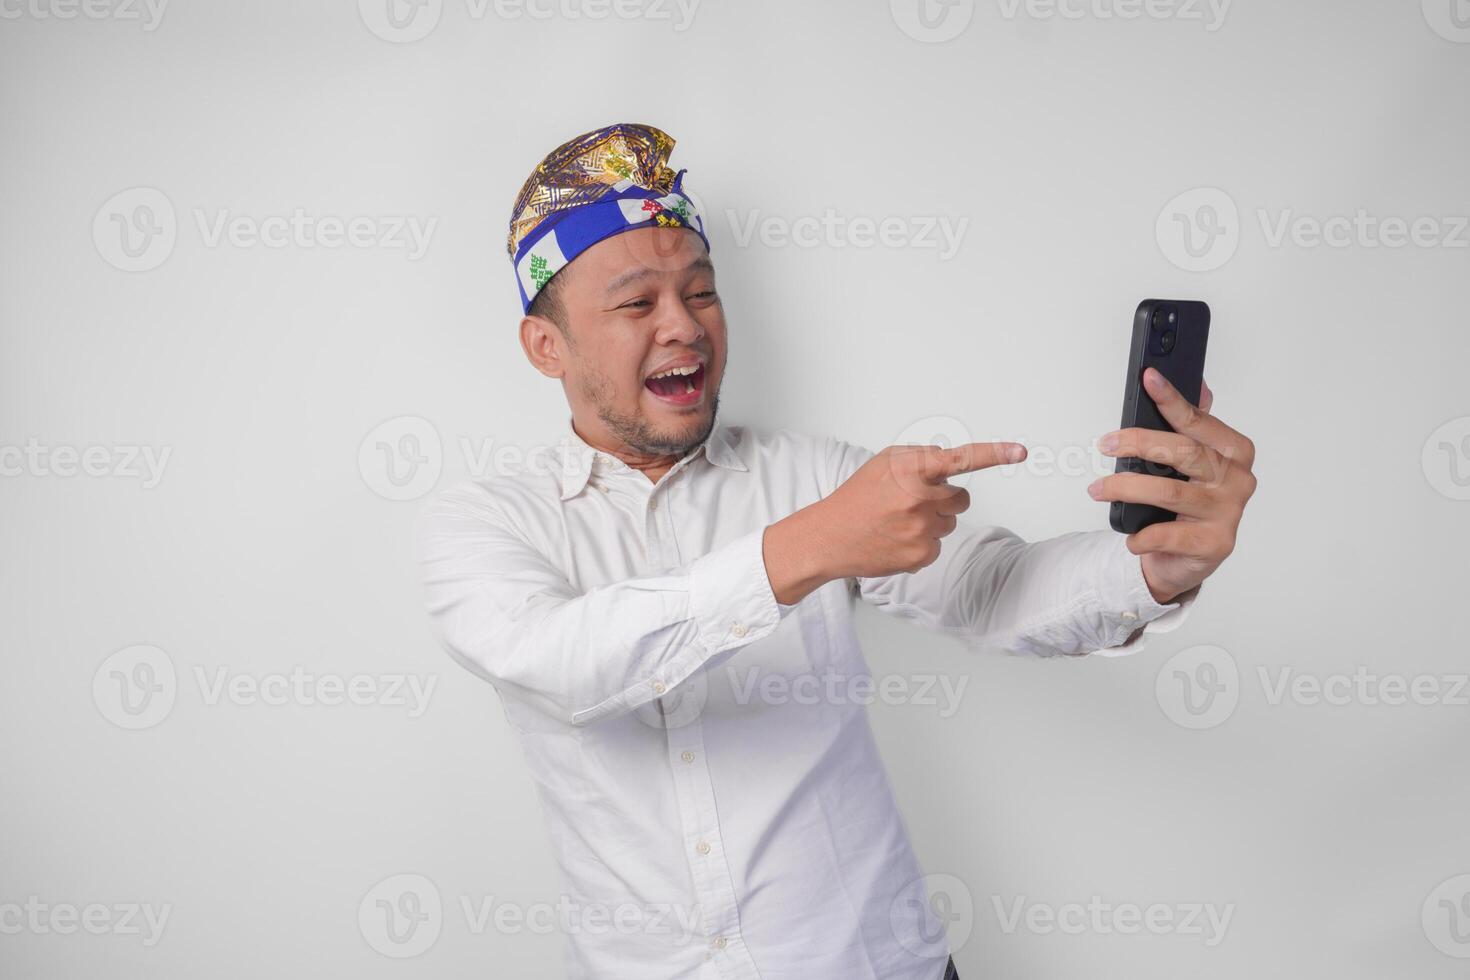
[(651, 465)]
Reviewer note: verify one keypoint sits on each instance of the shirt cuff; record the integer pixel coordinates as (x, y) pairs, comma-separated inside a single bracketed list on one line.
[(730, 595), (1129, 609)]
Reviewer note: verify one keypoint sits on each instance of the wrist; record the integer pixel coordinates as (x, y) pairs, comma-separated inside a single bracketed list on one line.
[(1163, 592), (798, 559)]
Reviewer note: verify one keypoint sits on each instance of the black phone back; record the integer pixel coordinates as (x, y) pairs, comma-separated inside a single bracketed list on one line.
[(1170, 336)]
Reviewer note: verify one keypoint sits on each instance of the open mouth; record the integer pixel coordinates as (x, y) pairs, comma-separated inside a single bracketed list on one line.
[(678, 386)]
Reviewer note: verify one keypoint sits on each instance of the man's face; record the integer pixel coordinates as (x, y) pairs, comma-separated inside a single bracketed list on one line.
[(644, 351)]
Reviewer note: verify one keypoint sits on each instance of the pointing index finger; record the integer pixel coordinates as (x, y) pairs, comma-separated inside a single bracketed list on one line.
[(971, 457)]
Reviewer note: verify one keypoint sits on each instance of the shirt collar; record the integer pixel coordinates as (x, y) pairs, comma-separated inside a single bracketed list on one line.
[(579, 460)]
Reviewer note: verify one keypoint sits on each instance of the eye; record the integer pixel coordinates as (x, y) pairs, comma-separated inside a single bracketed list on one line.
[(634, 304), (704, 294)]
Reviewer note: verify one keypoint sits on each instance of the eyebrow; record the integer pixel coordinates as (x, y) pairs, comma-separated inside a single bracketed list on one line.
[(627, 278)]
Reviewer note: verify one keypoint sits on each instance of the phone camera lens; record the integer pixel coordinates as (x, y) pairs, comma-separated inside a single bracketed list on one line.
[(1166, 341), (1158, 319)]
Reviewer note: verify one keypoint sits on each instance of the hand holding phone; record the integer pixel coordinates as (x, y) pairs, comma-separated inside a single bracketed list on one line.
[(1176, 459)]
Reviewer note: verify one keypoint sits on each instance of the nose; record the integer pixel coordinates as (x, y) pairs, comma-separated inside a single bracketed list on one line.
[(676, 325)]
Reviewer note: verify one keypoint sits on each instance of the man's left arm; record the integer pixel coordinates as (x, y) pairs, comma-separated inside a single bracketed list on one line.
[(1096, 591)]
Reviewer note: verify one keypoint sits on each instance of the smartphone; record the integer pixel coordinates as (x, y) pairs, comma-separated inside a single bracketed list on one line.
[(1170, 336)]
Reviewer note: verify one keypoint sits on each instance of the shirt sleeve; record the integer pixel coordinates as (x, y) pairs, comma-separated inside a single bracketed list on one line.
[(506, 613), (1079, 593)]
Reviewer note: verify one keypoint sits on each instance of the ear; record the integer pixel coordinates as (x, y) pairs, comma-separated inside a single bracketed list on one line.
[(544, 345)]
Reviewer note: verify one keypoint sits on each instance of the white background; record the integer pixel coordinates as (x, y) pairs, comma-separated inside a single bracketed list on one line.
[(269, 542)]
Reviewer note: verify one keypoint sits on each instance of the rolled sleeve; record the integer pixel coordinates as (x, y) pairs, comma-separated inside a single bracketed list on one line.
[(1128, 607), (731, 597)]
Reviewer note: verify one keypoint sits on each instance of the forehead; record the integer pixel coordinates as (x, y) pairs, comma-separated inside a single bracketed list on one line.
[(641, 254)]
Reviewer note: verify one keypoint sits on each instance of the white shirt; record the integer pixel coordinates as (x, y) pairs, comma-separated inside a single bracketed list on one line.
[(709, 822)]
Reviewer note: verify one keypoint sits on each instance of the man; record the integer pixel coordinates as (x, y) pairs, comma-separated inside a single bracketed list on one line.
[(630, 606)]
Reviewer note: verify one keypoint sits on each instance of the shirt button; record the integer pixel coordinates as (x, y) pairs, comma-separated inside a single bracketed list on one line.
[(702, 847), (738, 630), (687, 756), (653, 505), (658, 687), (1129, 617), (720, 943)]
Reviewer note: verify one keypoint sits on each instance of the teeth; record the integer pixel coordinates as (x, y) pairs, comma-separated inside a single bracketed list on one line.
[(679, 371), (688, 387)]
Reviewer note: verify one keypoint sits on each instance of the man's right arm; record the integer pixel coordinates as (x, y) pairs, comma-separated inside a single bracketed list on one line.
[(506, 613)]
